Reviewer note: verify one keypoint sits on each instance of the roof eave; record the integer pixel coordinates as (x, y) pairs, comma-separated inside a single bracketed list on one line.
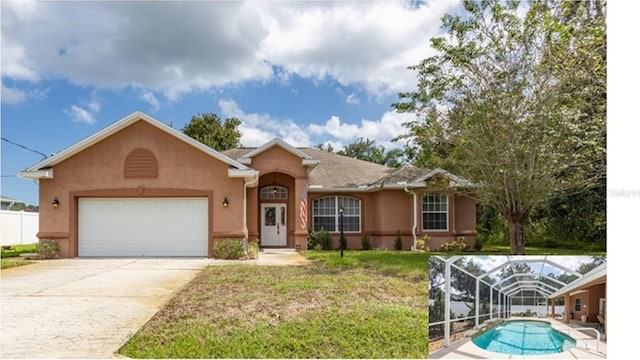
[(593, 275), (36, 174), (121, 124), (272, 143)]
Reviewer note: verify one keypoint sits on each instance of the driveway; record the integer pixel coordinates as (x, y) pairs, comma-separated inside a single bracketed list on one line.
[(85, 308)]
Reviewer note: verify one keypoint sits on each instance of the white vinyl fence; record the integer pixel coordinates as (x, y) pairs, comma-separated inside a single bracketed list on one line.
[(18, 227)]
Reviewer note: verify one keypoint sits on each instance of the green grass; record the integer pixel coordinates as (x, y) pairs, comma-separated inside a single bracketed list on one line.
[(393, 263), (362, 306), (16, 250), (10, 258), (6, 263)]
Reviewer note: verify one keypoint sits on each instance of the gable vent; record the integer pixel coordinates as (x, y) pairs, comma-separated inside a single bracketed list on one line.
[(140, 163)]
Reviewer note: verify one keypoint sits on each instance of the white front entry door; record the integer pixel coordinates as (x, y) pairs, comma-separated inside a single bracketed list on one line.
[(274, 224)]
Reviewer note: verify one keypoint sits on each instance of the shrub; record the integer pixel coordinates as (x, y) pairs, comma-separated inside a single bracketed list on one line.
[(398, 243), (366, 243), (421, 244), (228, 249), (320, 240), (479, 243), (252, 249), (48, 249), (456, 245)]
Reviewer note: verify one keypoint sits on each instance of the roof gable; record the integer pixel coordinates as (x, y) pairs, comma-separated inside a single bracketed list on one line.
[(306, 158), (116, 127)]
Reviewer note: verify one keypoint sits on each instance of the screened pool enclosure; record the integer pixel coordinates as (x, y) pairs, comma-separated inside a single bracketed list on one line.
[(467, 291)]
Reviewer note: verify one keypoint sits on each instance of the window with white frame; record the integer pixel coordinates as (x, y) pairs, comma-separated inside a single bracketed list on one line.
[(326, 214), (274, 192), (578, 305), (435, 212)]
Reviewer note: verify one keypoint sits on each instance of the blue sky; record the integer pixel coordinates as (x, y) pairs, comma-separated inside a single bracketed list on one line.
[(309, 73)]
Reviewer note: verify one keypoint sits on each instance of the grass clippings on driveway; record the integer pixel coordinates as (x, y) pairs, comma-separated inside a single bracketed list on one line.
[(7, 263), (314, 311)]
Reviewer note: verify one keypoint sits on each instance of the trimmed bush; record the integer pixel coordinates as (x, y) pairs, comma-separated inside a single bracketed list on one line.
[(320, 240), (421, 244), (456, 245), (234, 249), (48, 249), (252, 249), (398, 243), (366, 243)]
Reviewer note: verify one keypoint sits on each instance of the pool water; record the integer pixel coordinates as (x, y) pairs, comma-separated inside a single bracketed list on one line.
[(524, 338)]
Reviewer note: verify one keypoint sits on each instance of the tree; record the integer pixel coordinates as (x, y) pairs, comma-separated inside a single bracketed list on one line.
[(20, 206), (211, 131), (325, 147), (501, 100), (366, 149), (595, 262)]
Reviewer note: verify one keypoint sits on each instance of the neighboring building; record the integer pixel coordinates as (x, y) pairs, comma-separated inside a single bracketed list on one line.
[(6, 202), (142, 188)]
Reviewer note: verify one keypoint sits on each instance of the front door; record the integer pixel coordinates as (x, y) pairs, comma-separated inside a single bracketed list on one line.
[(274, 224)]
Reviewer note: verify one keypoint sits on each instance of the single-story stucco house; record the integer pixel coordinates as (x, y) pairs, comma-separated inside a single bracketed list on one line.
[(141, 188)]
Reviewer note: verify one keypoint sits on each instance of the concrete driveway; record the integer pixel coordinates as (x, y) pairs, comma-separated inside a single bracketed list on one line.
[(85, 308)]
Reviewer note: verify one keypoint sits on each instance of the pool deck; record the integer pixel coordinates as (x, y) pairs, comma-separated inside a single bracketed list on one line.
[(585, 346)]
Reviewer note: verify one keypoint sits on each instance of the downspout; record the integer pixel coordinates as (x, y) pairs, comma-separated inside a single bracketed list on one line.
[(245, 230), (415, 224)]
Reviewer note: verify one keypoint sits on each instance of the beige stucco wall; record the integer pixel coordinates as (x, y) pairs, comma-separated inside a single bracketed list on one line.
[(278, 166), (387, 214), (98, 172)]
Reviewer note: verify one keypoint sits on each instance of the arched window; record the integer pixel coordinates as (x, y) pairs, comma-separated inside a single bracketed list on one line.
[(274, 192), (326, 214)]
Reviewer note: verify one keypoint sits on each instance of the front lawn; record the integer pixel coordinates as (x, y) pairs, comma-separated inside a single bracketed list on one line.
[(11, 257), (361, 306), (16, 250)]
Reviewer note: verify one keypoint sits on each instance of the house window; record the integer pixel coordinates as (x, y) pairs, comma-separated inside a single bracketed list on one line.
[(326, 214), (435, 212), (274, 193), (578, 305)]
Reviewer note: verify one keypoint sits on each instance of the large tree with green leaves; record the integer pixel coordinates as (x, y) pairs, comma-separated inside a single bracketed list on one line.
[(211, 131), (366, 149), (502, 103)]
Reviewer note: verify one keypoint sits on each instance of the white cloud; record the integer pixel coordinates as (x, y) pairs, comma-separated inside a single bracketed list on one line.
[(94, 105), (383, 130), (15, 95), (12, 95), (148, 97), (353, 99), (259, 128), (79, 114), (213, 44)]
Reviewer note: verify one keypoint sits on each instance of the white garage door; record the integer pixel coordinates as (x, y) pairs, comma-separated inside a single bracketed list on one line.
[(142, 227)]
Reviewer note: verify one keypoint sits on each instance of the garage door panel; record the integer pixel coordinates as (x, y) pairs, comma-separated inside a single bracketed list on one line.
[(143, 227)]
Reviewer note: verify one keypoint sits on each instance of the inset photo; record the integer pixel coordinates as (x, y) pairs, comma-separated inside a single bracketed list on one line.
[(500, 306)]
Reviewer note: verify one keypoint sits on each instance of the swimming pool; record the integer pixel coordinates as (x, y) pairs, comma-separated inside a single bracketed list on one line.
[(524, 337)]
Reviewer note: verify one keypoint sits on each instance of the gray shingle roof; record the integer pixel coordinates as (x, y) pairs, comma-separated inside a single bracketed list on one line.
[(337, 171)]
